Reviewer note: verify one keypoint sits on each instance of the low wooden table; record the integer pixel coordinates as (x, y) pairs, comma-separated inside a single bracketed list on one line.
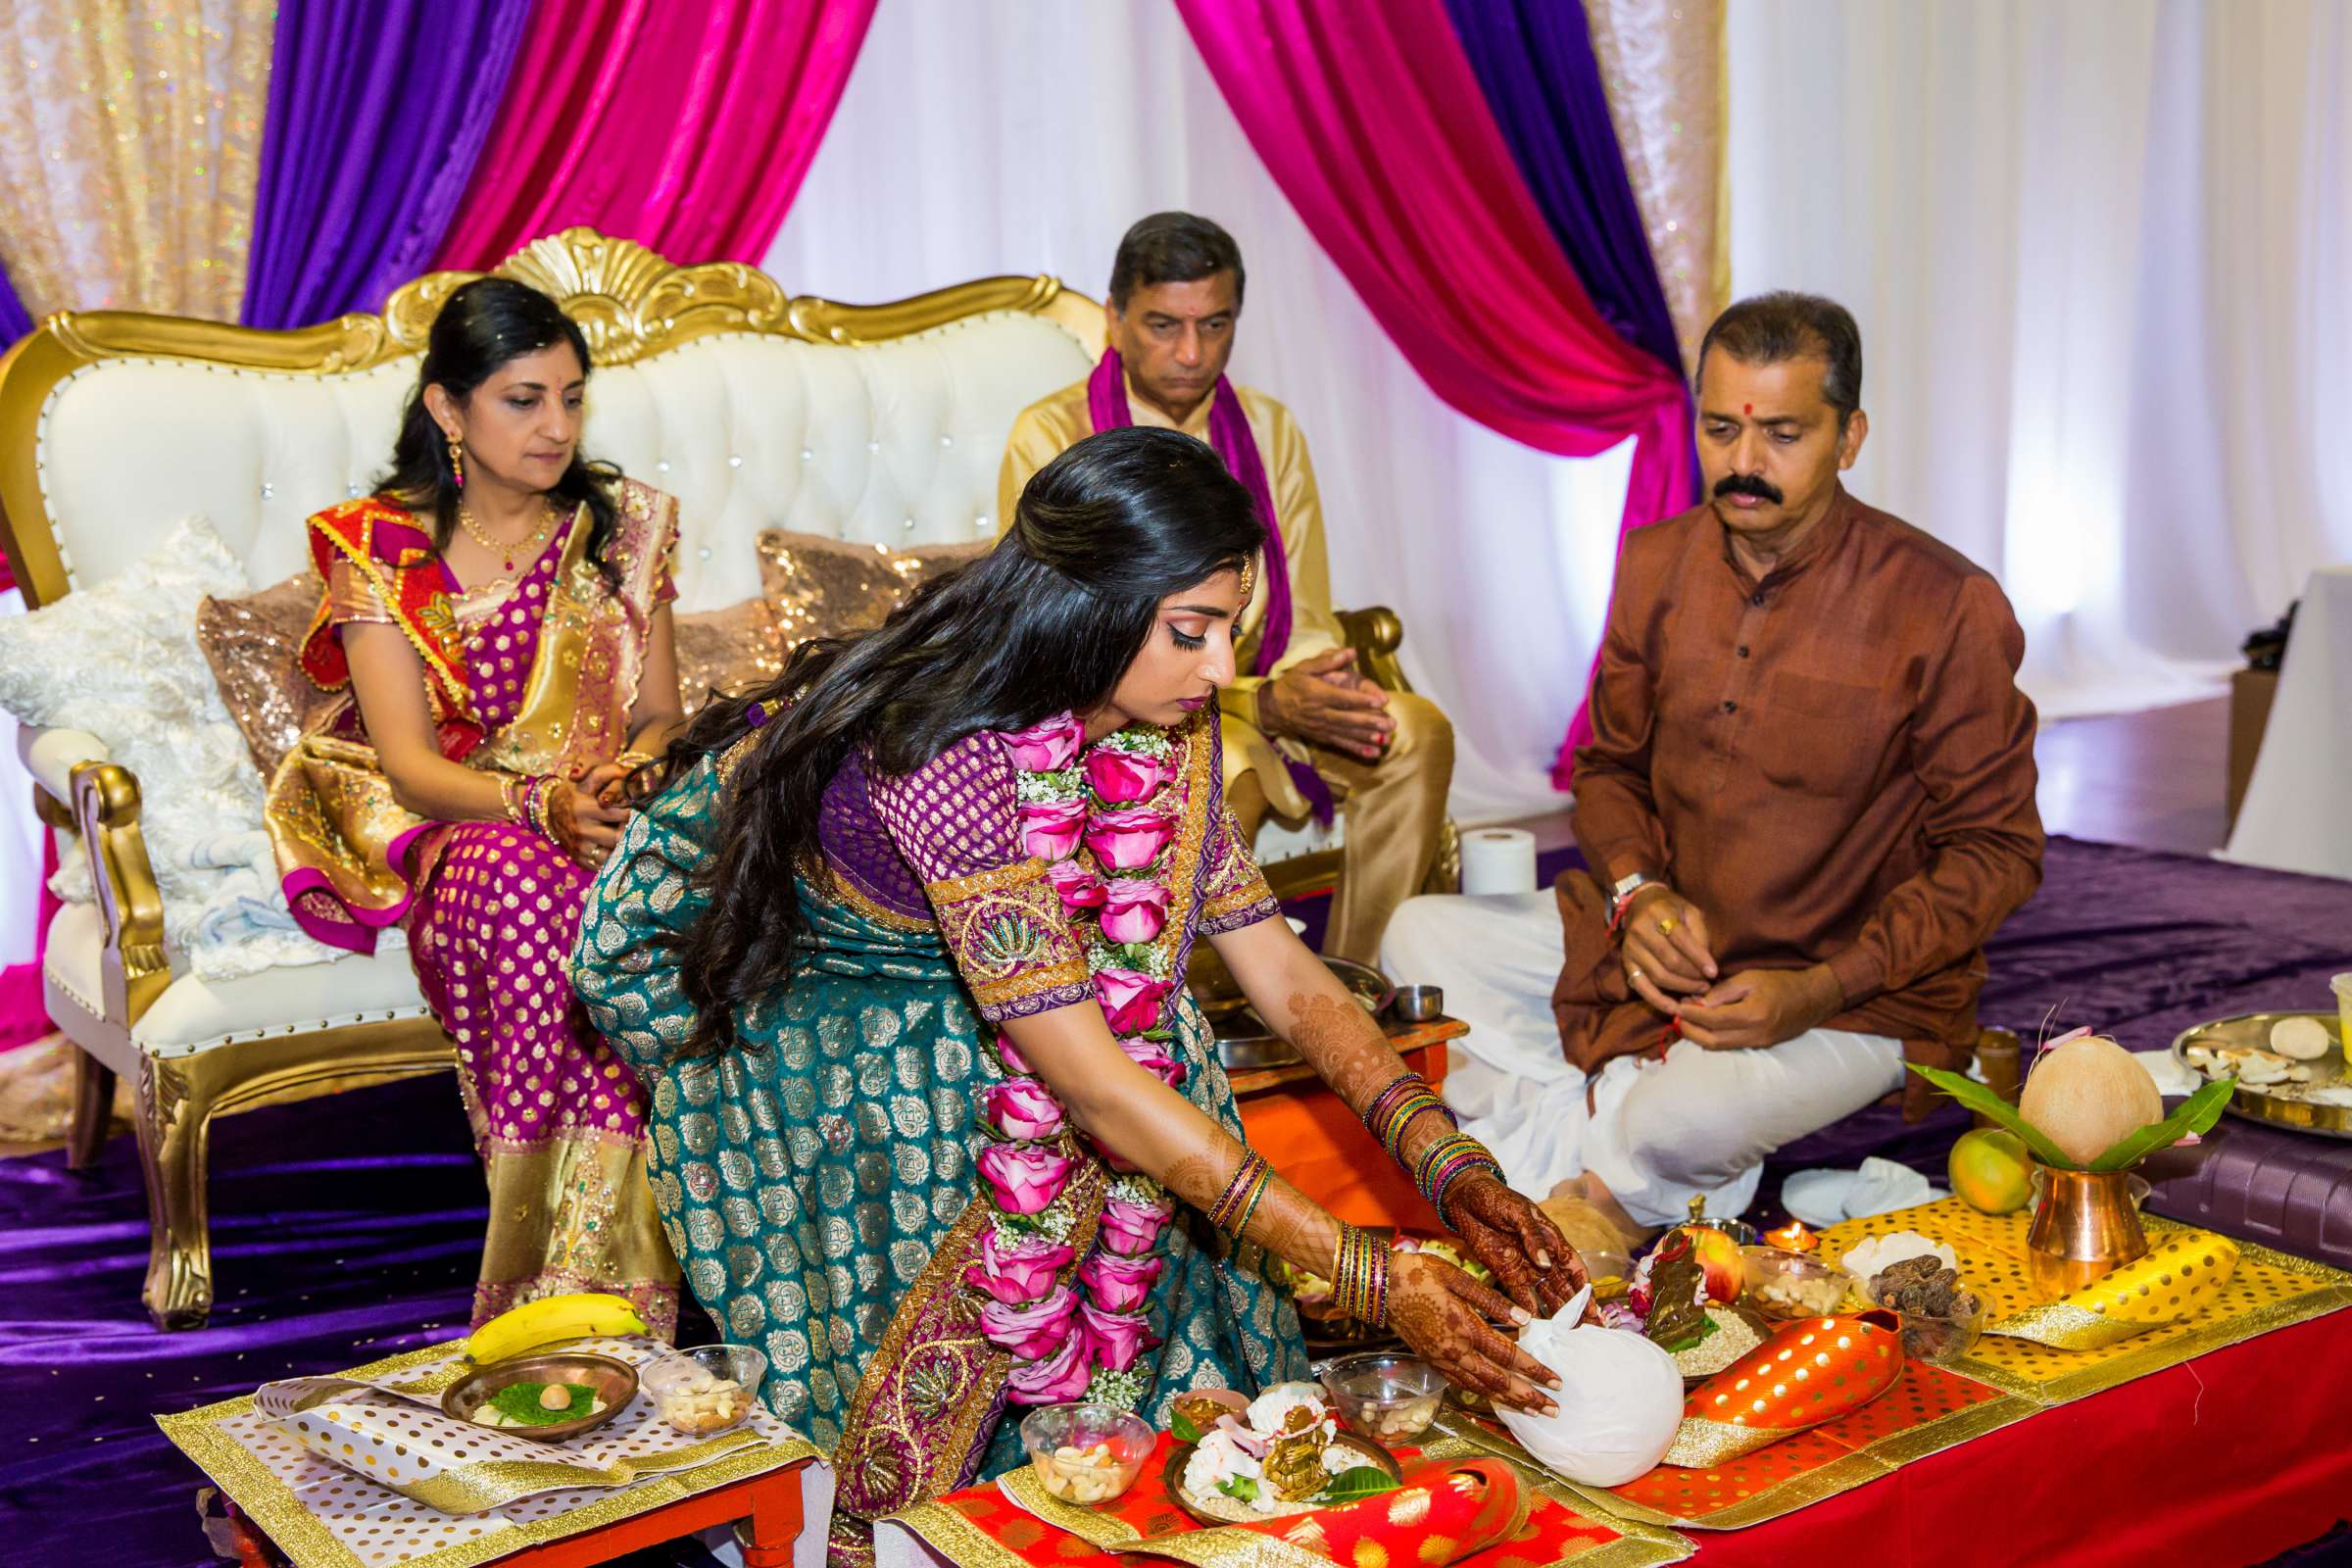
[(1323, 1149), (772, 1503)]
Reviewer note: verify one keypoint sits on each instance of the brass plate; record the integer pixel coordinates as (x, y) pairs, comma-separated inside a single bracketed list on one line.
[(1230, 1511), (1243, 1042), (2255, 1105), (613, 1380)]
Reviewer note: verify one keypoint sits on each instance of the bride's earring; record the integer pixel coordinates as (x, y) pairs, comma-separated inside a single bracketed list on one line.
[(457, 460)]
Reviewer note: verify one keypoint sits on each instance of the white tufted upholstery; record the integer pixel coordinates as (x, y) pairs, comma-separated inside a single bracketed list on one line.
[(889, 443)]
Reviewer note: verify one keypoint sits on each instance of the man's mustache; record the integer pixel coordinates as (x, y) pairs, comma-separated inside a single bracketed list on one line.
[(1748, 485)]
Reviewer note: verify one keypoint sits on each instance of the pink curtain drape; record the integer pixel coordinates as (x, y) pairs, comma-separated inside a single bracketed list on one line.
[(685, 125), (1372, 122)]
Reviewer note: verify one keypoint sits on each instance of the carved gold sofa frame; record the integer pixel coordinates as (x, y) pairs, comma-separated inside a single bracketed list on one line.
[(634, 306)]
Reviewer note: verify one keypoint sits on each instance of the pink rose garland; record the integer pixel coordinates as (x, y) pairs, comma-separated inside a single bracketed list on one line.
[(1065, 1346)]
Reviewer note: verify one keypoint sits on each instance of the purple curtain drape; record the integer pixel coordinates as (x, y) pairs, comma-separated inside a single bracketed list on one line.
[(13, 322), (1535, 63), (378, 110)]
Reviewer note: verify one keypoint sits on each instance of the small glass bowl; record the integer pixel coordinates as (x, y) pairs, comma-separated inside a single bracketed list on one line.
[(1610, 1271), (1942, 1341), (1388, 1398), (689, 1387), (1087, 1453), (1787, 1285)]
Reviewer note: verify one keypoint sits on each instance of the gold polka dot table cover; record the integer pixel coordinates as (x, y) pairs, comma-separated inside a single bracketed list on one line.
[(363, 1470), (2004, 1379)]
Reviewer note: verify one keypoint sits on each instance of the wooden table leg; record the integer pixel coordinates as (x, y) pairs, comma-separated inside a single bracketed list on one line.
[(776, 1521)]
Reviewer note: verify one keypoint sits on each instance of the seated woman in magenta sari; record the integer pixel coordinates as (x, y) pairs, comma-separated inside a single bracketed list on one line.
[(900, 953), (499, 613)]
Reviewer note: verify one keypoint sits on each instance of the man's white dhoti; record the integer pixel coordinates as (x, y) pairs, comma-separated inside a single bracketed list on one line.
[(1658, 1132)]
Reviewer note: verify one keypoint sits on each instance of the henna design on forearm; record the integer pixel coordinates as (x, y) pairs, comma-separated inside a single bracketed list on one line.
[(1199, 1179)]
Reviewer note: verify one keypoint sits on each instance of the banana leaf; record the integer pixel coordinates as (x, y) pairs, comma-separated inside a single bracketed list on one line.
[(2198, 1114), (1357, 1482), (1977, 1098)]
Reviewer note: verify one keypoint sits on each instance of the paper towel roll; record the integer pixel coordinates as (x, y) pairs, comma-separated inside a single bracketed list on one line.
[(1498, 859)]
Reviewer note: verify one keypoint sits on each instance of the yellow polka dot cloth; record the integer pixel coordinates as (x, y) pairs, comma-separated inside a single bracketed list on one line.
[(2266, 1290), (2179, 1279)]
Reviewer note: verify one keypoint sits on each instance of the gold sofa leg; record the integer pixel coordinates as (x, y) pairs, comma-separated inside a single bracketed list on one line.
[(175, 1127), (93, 1110)]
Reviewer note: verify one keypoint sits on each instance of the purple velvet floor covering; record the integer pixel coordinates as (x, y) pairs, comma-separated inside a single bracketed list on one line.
[(349, 1228)]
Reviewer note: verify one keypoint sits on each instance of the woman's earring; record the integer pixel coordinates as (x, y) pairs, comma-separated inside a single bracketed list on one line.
[(457, 460)]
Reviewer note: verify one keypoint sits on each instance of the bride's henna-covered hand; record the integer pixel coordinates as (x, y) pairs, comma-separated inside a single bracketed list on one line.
[(1531, 1260), (1442, 1312)]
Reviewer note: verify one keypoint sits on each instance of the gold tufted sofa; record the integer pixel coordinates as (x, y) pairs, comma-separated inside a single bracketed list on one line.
[(880, 424)]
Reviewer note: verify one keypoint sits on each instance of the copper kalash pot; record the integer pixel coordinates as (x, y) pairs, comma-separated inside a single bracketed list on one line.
[(2086, 1226)]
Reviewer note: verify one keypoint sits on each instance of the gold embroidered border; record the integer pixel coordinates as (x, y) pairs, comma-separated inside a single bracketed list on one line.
[(999, 993), (833, 884), (1192, 830), (954, 1537), (2115, 1371), (299, 1533), (458, 690), (956, 889)]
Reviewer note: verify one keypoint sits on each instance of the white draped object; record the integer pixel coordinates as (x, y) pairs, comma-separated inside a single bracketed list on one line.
[(2297, 815), (2098, 254), (1025, 136)]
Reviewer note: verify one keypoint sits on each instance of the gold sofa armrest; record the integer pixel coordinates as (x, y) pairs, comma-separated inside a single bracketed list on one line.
[(1376, 632), (100, 800)]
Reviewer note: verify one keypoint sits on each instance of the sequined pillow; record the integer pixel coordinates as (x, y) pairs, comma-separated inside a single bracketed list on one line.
[(820, 587), (252, 644), (729, 651)]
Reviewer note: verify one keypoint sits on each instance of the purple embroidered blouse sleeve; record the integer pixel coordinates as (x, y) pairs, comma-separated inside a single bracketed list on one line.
[(955, 821), (1233, 891)]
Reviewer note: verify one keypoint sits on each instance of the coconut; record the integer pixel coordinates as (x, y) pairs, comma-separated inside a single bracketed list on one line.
[(2087, 1094)]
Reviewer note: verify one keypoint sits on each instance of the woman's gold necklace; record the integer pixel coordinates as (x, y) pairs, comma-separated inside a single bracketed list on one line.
[(509, 552)]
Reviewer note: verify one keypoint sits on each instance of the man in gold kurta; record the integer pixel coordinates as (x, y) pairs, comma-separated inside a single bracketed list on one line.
[(1306, 731)]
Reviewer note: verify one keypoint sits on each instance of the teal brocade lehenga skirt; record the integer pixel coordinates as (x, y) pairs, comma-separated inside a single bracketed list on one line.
[(806, 1177)]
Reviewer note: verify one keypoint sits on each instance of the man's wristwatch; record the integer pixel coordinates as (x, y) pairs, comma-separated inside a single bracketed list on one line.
[(1621, 895)]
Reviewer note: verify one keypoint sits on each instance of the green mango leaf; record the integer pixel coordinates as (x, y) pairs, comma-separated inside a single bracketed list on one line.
[(2198, 1114), (1182, 1429), (1977, 1098), (1241, 1488), (1351, 1486)]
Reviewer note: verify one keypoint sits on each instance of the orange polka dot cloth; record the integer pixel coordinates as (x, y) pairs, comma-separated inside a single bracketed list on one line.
[(1811, 1372)]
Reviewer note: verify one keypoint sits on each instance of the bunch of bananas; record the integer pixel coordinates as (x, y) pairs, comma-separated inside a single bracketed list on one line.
[(582, 1315)]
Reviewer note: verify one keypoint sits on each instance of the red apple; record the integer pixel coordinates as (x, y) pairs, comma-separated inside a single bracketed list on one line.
[(1718, 1259)]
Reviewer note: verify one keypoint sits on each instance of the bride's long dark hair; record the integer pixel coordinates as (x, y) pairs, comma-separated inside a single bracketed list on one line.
[(1046, 622)]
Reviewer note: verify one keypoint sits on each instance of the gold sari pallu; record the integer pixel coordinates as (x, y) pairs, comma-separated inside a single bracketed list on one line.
[(346, 847)]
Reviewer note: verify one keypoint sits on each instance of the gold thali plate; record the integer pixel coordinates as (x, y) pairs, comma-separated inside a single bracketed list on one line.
[(2258, 1104)]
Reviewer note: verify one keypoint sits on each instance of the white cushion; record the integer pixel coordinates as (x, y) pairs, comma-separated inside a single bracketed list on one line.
[(889, 443), (119, 660), (195, 1015)]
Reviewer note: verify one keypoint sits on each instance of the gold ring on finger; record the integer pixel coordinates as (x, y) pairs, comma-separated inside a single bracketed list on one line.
[(1666, 926)]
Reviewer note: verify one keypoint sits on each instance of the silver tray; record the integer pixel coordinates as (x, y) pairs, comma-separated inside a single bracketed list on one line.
[(2253, 1105), (1243, 1042)]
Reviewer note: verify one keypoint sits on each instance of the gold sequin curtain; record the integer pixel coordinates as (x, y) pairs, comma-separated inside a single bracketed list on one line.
[(1662, 68), (130, 144)]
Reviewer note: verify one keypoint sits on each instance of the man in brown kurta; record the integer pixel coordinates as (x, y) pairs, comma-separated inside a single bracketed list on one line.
[(1809, 802)]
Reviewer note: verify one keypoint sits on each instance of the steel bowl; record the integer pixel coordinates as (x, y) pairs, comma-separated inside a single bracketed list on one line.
[(614, 1382), (1420, 1004)]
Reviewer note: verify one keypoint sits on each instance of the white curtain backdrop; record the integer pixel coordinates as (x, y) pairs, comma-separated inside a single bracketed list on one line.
[(1024, 136), (2100, 253)]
